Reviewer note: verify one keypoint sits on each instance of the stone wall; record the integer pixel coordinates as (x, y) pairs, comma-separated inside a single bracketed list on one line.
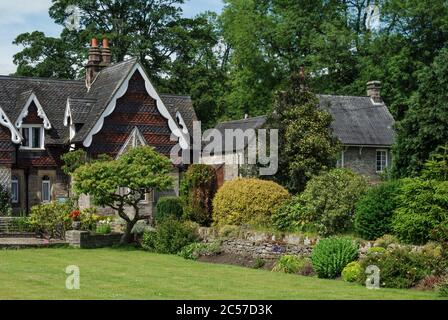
[(362, 160), (87, 240), (260, 244)]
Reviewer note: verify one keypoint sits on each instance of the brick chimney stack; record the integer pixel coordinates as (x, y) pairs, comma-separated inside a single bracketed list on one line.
[(106, 54), (374, 91), (94, 64)]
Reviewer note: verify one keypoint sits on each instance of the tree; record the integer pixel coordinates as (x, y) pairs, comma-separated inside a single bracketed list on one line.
[(139, 171), (425, 125), (306, 143)]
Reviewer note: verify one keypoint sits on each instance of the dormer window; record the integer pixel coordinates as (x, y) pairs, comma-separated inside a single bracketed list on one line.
[(33, 137)]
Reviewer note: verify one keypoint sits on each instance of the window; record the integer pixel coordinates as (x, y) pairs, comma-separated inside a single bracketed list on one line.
[(14, 189), (381, 160), (46, 189), (33, 137)]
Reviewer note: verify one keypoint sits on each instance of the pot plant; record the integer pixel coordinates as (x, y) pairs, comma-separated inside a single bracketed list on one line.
[(75, 215)]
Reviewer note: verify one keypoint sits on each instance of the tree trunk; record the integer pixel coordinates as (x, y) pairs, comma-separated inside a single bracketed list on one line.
[(127, 235)]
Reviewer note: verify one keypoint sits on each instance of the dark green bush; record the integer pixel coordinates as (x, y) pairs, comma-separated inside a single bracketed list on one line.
[(327, 205), (423, 207), (22, 224), (331, 255), (170, 236), (374, 210), (197, 189), (5, 201), (168, 207), (399, 268)]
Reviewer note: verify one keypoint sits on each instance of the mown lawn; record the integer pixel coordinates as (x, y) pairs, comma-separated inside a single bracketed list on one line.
[(132, 274)]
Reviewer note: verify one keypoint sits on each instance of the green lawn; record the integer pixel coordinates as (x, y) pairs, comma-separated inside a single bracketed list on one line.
[(131, 274)]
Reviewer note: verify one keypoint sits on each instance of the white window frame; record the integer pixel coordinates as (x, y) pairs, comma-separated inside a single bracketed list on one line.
[(386, 160), (30, 127), (15, 181), (44, 184)]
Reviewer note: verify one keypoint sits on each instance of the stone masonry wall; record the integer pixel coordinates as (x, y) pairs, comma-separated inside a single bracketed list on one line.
[(86, 240)]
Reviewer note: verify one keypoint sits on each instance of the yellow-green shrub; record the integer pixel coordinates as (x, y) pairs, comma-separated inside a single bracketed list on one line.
[(248, 201)]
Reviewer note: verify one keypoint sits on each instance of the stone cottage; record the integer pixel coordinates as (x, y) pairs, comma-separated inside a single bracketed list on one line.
[(363, 124), (114, 108)]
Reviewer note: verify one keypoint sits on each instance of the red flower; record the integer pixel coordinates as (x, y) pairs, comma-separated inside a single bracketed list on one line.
[(74, 215)]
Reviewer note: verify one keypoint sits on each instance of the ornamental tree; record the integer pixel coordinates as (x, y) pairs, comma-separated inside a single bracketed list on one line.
[(121, 183)]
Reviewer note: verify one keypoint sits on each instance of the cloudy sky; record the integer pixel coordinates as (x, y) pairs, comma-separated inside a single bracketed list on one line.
[(19, 16)]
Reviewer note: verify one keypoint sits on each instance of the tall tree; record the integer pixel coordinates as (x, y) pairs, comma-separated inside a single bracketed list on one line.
[(425, 125), (306, 143)]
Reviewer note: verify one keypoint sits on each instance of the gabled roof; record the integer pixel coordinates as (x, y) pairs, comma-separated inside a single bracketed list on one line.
[(358, 121), (62, 98)]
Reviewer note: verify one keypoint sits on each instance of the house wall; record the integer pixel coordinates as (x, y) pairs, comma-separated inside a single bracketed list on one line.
[(362, 160)]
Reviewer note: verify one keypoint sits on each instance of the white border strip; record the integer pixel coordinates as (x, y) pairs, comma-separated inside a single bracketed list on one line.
[(40, 112)]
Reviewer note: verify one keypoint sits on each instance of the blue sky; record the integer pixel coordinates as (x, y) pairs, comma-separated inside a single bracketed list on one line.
[(19, 16)]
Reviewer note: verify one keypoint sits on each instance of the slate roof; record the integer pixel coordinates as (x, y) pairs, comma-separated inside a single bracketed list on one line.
[(357, 121), (86, 107)]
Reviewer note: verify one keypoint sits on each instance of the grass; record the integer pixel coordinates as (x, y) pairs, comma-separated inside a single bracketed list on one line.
[(132, 274)]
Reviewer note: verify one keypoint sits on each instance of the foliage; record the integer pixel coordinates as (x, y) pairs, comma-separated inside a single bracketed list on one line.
[(90, 218), (423, 206), (374, 210), (248, 201), (198, 187), (288, 264), (73, 160), (442, 288), (331, 255), (259, 263), (399, 268), (194, 250), (22, 224), (5, 201), (436, 168), (378, 250), (306, 143), (168, 207), (386, 240), (327, 205), (51, 218), (75, 215), (140, 170), (170, 237), (424, 127), (352, 272), (103, 227)]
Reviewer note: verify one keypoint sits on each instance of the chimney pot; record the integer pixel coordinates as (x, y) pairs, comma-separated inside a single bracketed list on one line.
[(106, 54), (94, 43), (105, 43), (374, 91)]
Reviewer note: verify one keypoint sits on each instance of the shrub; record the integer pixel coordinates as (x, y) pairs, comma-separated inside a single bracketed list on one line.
[(194, 250), (423, 207), (352, 272), (386, 241), (22, 224), (198, 187), (5, 202), (288, 264), (103, 227), (287, 216), (374, 210), (327, 205), (399, 268), (169, 237), (331, 255), (259, 263), (51, 218), (248, 201), (442, 288), (378, 250), (89, 218), (168, 207), (430, 282)]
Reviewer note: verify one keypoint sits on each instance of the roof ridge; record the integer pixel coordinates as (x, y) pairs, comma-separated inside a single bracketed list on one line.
[(338, 95), (24, 78), (175, 95), (243, 120)]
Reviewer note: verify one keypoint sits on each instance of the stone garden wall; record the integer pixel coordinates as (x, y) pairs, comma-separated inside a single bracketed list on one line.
[(87, 240)]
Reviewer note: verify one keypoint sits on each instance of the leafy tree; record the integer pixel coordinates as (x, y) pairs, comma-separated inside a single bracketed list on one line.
[(425, 125), (5, 201), (139, 171), (73, 160), (306, 143), (437, 166)]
